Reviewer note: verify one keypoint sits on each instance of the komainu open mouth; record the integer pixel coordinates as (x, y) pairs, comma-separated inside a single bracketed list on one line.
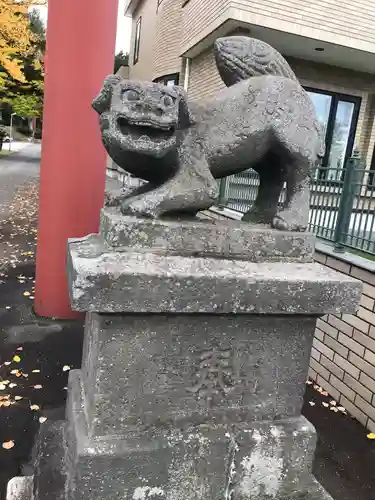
[(145, 130)]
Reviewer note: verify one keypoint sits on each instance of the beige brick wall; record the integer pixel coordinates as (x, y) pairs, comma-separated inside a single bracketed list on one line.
[(343, 356), (344, 23), (168, 33), (205, 81), (142, 70)]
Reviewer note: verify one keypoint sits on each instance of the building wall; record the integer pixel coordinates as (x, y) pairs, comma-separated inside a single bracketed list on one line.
[(142, 70), (342, 359), (205, 81), (167, 44), (343, 355), (344, 23)]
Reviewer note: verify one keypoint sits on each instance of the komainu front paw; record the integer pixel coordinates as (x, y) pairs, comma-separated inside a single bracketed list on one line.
[(140, 207), (288, 222)]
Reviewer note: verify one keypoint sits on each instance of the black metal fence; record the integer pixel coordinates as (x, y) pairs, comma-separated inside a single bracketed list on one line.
[(342, 203)]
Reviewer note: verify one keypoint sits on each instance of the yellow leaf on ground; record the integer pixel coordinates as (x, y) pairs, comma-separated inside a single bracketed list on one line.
[(17, 359), (8, 445), (371, 435), (35, 371), (26, 294)]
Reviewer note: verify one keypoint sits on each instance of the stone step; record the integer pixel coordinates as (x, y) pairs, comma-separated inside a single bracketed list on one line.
[(20, 488), (50, 474)]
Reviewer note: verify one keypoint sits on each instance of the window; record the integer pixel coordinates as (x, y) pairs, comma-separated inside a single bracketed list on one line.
[(371, 175), (338, 114), (137, 40), (168, 80)]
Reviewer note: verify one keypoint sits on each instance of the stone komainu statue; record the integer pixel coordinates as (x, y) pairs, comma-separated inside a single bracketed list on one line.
[(263, 120)]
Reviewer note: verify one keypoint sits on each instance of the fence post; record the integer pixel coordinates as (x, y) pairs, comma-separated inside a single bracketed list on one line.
[(222, 199), (348, 194)]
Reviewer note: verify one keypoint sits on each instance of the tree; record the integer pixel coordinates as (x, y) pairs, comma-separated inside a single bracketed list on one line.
[(26, 97), (27, 106), (16, 37), (121, 59)]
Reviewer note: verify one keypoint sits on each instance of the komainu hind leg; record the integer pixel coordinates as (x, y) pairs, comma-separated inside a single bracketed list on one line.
[(263, 211), (294, 216)]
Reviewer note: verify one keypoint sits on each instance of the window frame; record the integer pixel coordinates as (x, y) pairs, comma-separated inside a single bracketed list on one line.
[(137, 40), (336, 97), (165, 78)]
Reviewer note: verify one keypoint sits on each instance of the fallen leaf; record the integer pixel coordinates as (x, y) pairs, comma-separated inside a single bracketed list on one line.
[(8, 445), (333, 408), (26, 294), (4, 382), (371, 435), (2, 387), (311, 403), (34, 407), (308, 382), (14, 372), (19, 349), (12, 385), (18, 398), (37, 386), (341, 408), (66, 368), (324, 393), (7, 363), (17, 359), (35, 371), (7, 307), (325, 405), (5, 403), (42, 419), (333, 403)]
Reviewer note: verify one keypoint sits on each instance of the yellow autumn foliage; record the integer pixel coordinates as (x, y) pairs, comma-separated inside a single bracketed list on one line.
[(15, 36)]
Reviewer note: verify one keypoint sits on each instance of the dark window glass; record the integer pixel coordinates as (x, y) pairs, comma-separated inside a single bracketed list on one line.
[(137, 40), (338, 114), (168, 80)]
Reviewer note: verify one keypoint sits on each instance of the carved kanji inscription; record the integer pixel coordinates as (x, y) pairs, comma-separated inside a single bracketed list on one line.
[(214, 373)]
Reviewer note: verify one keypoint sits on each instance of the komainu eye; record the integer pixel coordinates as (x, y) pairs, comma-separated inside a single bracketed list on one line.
[(130, 95), (167, 100)]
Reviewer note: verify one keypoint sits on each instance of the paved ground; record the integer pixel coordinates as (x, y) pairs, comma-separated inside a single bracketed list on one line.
[(15, 170), (345, 458)]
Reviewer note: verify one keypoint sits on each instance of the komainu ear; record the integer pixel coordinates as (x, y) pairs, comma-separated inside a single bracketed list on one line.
[(185, 116), (102, 102)]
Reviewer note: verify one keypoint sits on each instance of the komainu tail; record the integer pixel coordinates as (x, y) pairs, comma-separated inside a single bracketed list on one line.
[(240, 57)]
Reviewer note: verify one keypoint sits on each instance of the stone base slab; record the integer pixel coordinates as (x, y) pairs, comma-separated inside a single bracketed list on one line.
[(205, 238), (261, 461), (101, 279)]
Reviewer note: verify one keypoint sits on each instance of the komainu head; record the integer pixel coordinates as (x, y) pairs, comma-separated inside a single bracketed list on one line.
[(141, 117)]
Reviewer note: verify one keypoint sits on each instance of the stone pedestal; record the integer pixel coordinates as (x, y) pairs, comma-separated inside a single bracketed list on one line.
[(197, 343)]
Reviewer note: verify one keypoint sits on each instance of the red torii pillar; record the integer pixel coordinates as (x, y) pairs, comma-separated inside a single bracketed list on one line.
[(81, 37)]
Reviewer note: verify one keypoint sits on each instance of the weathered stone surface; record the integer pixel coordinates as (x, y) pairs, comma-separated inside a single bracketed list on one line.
[(141, 372), (205, 238), (50, 472), (262, 461), (20, 488), (266, 122), (106, 281)]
